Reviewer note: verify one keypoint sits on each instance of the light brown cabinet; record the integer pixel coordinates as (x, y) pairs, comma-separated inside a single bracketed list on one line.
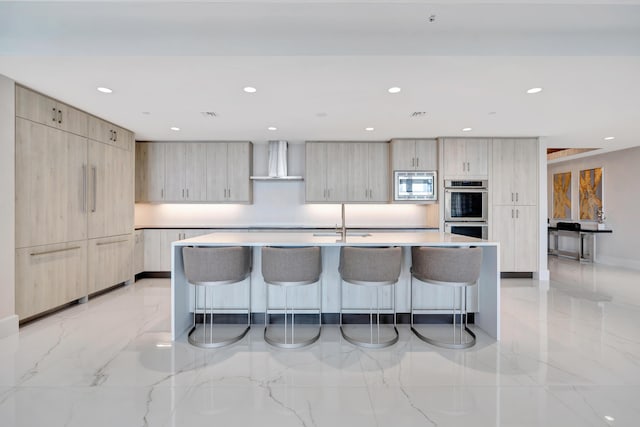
[(326, 172), (41, 109), (466, 158), (516, 228), (68, 189), (514, 175), (215, 172), (367, 172), (108, 133), (138, 251), (414, 154), (157, 245), (50, 276), (110, 262)]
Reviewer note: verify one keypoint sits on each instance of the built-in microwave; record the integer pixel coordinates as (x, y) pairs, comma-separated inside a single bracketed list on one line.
[(466, 200), (415, 186)]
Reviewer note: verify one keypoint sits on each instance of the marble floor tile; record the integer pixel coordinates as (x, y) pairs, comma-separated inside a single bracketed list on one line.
[(569, 356)]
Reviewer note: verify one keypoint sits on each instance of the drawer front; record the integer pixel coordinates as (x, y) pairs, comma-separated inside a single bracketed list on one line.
[(50, 276), (110, 261)]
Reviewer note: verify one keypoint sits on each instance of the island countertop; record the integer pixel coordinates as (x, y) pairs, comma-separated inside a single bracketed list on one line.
[(487, 312), (296, 238)]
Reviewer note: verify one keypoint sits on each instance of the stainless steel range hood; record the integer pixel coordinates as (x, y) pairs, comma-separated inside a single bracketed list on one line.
[(277, 163)]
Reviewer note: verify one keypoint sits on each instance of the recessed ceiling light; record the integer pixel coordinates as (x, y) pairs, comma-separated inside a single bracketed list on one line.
[(250, 89), (368, 129), (175, 128), (394, 89), (146, 113), (104, 89), (609, 418), (466, 129), (272, 128), (492, 113), (534, 90), (609, 138), (321, 115)]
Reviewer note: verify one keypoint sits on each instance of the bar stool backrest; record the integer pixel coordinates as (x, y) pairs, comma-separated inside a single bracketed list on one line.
[(454, 266), (218, 264), (290, 265), (367, 264)]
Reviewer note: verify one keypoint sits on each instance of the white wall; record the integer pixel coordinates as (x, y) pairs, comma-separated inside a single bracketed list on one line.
[(621, 202), (281, 204), (8, 319)]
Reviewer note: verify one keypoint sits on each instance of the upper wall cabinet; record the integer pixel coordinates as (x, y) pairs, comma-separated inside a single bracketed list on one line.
[(338, 172), (38, 108), (108, 133), (326, 170), (466, 158), (194, 172), (514, 177), (414, 154)]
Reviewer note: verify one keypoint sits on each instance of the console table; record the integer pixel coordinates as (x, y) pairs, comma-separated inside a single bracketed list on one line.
[(586, 244)]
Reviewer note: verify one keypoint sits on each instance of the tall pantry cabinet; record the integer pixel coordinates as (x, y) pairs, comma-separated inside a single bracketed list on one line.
[(74, 204)]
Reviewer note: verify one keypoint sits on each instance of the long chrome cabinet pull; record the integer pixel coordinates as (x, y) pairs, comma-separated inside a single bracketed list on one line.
[(511, 213), (95, 187), (111, 243), (417, 162), (517, 213), (60, 116), (54, 251), (516, 197), (53, 116), (84, 188), (115, 135), (229, 193), (162, 193)]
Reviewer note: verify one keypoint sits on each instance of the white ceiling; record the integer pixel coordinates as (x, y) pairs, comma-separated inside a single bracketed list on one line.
[(322, 69)]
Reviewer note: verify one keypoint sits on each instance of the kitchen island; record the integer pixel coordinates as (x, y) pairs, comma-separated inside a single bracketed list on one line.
[(486, 305)]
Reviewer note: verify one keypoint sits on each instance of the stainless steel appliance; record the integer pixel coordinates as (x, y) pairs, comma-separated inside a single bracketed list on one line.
[(415, 186), (479, 230), (466, 200)]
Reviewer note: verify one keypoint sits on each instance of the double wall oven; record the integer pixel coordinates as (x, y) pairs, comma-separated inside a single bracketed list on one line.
[(466, 209)]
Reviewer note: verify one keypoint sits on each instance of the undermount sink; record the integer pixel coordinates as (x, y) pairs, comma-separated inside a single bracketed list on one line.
[(337, 234)]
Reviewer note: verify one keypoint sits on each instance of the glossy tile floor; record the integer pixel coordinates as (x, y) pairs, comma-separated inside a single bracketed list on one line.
[(570, 356)]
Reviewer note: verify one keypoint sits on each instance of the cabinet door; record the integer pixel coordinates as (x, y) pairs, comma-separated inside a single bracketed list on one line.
[(455, 161), (150, 172), (426, 154), (73, 120), (35, 107), (175, 166), (502, 177), (337, 167), (168, 236), (316, 172), (153, 249), (526, 234), (110, 262), (50, 185), (403, 154), (239, 164), (357, 172), (216, 172), (526, 172), (100, 131), (50, 276), (477, 155), (138, 252), (195, 172), (503, 231), (111, 190), (378, 172)]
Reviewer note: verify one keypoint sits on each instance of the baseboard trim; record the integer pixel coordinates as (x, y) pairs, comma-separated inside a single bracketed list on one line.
[(153, 275), (8, 326)]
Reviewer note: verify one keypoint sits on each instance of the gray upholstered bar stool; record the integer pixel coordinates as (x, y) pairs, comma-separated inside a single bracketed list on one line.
[(208, 267), (456, 268), (291, 267), (371, 267)]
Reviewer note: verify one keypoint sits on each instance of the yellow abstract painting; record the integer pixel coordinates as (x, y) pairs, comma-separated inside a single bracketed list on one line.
[(590, 193), (562, 195)]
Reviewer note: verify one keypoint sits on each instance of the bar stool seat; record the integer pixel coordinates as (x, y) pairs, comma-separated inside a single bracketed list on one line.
[(456, 268), (209, 267), (289, 267), (374, 268)]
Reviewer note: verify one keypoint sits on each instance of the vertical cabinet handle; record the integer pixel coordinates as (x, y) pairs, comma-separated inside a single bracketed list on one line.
[(84, 188), (512, 197), (183, 193), (511, 213), (95, 187), (418, 162), (517, 213), (516, 197), (413, 162), (53, 116), (115, 135), (162, 193), (60, 116), (187, 193), (229, 193)]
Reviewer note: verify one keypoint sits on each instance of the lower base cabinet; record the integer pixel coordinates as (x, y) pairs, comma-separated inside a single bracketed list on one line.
[(110, 262), (50, 276), (515, 227), (138, 252)]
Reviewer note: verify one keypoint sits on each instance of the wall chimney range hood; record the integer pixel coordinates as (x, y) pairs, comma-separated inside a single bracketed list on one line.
[(277, 164)]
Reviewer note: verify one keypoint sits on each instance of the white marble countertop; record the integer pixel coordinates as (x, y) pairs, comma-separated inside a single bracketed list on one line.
[(266, 238)]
